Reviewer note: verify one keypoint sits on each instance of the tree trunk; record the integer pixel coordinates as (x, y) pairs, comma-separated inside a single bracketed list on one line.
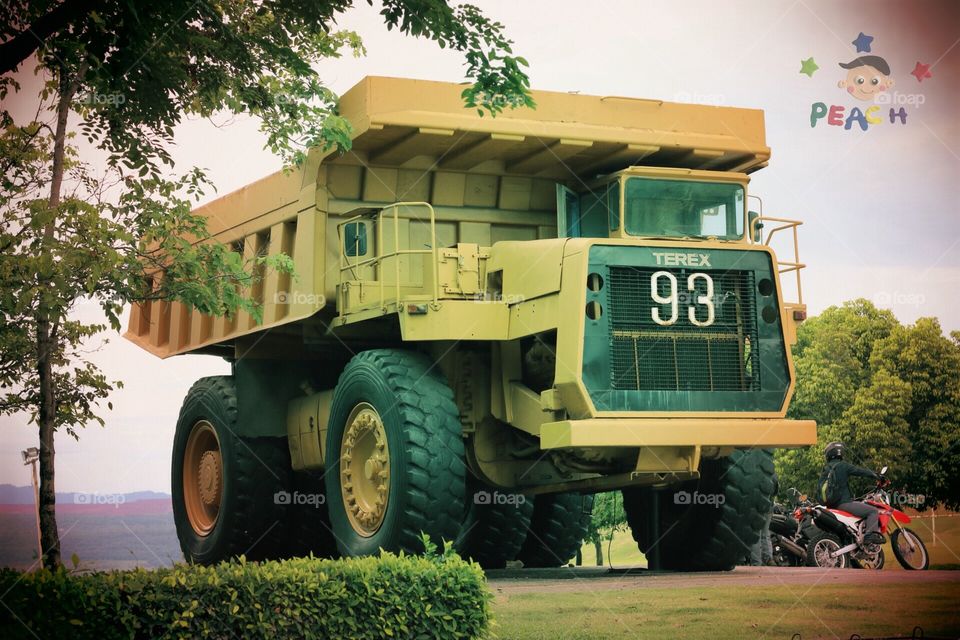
[(598, 545), (46, 348)]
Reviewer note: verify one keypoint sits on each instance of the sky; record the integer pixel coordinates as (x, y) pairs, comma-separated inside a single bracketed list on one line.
[(879, 206)]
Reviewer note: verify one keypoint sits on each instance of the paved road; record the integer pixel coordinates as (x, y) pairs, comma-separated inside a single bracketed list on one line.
[(512, 581)]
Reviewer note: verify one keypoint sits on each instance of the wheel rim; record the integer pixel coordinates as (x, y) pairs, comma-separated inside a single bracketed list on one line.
[(202, 478), (365, 470), (915, 557), (822, 552)]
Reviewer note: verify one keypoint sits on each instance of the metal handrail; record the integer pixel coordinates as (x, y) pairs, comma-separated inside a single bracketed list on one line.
[(784, 266), (379, 258)]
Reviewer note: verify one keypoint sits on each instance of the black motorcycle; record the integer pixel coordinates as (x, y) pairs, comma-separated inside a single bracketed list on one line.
[(791, 528)]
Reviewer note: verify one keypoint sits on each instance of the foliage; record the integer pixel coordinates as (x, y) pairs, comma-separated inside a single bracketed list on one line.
[(132, 71), (890, 392), (141, 68), (607, 517), (142, 245), (433, 596)]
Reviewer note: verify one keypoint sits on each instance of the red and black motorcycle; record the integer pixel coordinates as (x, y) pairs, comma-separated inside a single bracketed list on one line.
[(839, 541)]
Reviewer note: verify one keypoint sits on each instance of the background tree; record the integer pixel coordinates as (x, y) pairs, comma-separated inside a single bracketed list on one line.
[(131, 72), (890, 392), (88, 247), (928, 365), (608, 517)]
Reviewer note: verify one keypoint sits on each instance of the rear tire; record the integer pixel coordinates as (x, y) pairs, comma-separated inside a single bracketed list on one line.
[(919, 559), (394, 455), (711, 535), (495, 525), (225, 487), (557, 528), (818, 549)]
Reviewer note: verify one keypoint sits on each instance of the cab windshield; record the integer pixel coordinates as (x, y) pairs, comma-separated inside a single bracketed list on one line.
[(683, 209)]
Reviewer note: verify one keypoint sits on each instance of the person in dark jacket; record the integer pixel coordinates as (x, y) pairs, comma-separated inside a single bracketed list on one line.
[(841, 470)]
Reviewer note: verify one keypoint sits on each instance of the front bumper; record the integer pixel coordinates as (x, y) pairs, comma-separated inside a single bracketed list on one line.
[(678, 432)]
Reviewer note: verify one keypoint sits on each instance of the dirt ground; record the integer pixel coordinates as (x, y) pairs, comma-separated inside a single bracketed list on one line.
[(515, 581)]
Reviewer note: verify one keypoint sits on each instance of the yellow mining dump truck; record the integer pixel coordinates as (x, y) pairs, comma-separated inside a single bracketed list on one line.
[(491, 320)]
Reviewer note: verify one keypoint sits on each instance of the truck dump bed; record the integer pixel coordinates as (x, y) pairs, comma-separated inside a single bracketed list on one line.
[(488, 179)]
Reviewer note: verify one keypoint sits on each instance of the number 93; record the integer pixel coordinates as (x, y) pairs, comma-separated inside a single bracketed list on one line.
[(705, 299)]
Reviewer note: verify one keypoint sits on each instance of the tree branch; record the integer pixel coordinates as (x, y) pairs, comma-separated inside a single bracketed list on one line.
[(24, 44)]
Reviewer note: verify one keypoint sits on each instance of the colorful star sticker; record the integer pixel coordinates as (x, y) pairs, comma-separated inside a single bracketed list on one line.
[(921, 71), (808, 66), (862, 43)]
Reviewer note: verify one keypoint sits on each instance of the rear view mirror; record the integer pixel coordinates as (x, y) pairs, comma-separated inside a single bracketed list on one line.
[(883, 471), (754, 227)]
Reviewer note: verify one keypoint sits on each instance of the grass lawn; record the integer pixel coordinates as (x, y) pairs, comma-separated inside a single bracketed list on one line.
[(827, 611), (944, 554)]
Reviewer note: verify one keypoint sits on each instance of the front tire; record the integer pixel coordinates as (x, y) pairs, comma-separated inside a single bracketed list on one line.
[(916, 559), (710, 523), (225, 487), (394, 455)]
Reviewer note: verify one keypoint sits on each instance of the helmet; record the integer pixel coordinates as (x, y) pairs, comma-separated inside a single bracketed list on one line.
[(834, 451)]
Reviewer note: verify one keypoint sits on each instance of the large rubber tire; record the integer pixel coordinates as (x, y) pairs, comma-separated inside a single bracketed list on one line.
[(821, 543), (427, 473), (714, 534), (494, 526), (557, 528), (250, 520), (911, 564)]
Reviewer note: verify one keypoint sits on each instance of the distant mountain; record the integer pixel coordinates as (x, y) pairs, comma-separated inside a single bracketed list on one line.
[(10, 494)]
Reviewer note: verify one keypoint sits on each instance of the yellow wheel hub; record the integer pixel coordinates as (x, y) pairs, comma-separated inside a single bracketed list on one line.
[(365, 470), (202, 477)]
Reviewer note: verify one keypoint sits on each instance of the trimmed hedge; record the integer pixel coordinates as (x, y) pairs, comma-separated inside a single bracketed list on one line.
[(432, 596)]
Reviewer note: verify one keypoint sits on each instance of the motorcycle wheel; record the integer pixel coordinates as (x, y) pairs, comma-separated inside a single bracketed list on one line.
[(820, 547), (782, 557), (916, 559)]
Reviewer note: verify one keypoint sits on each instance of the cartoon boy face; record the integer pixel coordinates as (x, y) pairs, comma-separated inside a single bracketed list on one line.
[(867, 77)]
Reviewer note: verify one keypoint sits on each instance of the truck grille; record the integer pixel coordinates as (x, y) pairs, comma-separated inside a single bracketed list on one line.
[(646, 356)]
